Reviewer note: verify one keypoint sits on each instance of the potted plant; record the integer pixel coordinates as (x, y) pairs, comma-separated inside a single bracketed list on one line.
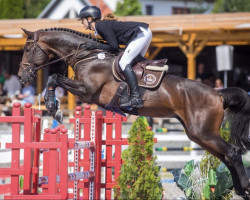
[(210, 179)]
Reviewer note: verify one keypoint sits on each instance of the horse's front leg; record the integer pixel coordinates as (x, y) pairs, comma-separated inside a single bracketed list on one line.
[(50, 99), (75, 87)]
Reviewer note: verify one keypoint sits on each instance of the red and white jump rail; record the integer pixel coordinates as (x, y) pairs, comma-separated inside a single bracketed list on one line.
[(55, 182)]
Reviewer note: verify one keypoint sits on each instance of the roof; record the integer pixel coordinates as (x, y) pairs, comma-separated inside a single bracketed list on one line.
[(167, 30), (102, 5)]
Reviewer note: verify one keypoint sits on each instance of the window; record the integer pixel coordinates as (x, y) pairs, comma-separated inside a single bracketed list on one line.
[(149, 10), (178, 10)]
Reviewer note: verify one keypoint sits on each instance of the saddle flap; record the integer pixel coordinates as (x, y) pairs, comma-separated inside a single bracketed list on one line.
[(149, 73), (139, 71)]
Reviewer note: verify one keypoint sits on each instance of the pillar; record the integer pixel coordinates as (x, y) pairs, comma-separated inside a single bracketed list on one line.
[(71, 97), (39, 81), (191, 68)]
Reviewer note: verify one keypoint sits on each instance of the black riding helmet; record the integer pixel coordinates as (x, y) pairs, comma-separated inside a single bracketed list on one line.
[(90, 11)]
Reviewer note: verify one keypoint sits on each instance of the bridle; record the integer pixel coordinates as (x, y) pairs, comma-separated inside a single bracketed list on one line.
[(65, 58), (30, 68)]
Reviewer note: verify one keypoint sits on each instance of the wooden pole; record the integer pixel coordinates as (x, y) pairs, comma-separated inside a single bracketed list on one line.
[(191, 49), (39, 81), (71, 97), (155, 53), (191, 71)]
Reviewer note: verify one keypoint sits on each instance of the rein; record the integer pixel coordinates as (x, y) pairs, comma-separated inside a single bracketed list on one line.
[(54, 61)]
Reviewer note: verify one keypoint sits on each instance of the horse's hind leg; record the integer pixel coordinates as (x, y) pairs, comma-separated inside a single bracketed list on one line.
[(206, 134), (233, 161), (231, 156)]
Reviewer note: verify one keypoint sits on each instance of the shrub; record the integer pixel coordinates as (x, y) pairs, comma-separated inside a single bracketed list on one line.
[(139, 175)]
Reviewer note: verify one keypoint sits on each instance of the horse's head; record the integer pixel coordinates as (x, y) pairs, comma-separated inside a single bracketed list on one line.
[(43, 45), (35, 54)]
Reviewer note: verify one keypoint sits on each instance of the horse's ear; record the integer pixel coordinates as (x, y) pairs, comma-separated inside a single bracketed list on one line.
[(29, 33)]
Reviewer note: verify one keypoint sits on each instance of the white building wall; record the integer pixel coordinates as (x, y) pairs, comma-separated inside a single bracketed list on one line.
[(164, 7), (111, 4)]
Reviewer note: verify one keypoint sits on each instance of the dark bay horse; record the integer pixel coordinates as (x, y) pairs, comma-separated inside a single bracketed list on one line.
[(199, 108)]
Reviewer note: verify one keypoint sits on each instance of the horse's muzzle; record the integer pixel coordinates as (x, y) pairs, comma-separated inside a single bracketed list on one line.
[(27, 75)]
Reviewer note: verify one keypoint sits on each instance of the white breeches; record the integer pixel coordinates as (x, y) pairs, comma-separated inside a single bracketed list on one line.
[(138, 45)]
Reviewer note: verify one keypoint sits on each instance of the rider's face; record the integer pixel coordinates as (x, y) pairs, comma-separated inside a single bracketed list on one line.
[(86, 25)]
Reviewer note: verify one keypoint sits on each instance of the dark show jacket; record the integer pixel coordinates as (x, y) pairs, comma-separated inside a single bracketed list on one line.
[(118, 32)]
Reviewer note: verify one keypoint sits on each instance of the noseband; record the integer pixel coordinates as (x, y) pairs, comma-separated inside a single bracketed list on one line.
[(29, 70)]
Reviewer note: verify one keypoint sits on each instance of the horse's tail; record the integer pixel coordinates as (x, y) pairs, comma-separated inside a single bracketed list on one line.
[(237, 105)]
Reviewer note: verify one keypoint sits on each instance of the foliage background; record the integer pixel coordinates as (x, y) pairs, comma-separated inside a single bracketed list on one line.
[(19, 9), (128, 7), (221, 6)]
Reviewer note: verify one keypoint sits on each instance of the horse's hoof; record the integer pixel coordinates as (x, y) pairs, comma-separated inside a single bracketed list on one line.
[(248, 189), (59, 116), (244, 195)]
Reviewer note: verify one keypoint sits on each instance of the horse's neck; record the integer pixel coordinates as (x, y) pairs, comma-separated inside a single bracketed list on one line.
[(64, 43), (61, 49)]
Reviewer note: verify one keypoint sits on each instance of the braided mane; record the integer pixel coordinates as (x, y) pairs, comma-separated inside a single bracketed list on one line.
[(72, 31)]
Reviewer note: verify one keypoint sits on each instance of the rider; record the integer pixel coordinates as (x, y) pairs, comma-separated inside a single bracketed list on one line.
[(135, 35)]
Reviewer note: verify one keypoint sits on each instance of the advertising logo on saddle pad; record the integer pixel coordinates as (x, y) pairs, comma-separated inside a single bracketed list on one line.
[(149, 79)]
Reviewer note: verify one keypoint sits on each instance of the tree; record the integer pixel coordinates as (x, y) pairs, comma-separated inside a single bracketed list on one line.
[(221, 6), (139, 175), (11, 9), (128, 7), (18, 9), (33, 7), (200, 8)]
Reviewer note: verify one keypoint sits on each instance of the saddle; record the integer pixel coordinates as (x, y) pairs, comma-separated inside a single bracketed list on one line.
[(149, 73)]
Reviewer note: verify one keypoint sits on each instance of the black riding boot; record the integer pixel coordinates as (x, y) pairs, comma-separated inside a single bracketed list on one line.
[(135, 99)]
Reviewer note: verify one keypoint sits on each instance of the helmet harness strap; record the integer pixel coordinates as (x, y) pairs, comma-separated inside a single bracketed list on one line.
[(89, 23)]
